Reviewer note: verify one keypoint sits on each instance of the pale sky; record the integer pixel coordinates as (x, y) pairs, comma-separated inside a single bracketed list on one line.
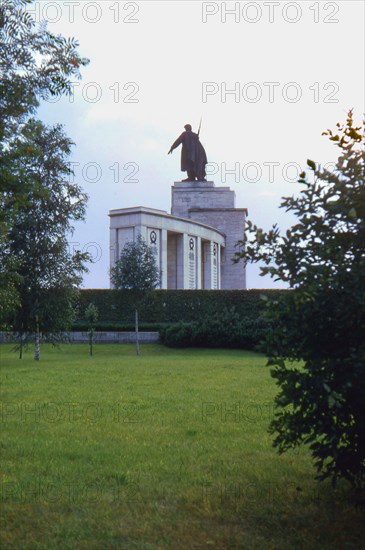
[(266, 77)]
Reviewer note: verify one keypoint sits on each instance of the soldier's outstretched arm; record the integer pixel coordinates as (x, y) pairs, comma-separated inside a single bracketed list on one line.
[(176, 143)]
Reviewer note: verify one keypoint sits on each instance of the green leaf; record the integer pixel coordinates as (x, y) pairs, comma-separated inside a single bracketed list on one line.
[(331, 401), (353, 213)]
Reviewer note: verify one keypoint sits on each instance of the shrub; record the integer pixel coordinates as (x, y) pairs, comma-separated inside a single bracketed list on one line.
[(226, 330), (179, 335), (317, 349)]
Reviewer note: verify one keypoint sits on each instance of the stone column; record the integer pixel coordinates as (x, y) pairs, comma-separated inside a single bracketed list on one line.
[(198, 263), (183, 261), (192, 263), (163, 257), (211, 265), (218, 267), (208, 265), (214, 279)]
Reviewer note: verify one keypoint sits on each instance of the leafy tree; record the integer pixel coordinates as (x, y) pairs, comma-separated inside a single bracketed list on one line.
[(37, 238), (136, 270), (35, 64), (91, 316), (9, 297), (321, 320)]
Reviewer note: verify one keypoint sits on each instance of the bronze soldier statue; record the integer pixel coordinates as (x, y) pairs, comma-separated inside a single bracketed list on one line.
[(193, 155)]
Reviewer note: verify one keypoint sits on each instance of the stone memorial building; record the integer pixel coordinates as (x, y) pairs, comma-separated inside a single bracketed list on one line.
[(193, 245)]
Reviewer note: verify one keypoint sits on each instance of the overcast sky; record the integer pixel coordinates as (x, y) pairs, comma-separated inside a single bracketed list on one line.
[(266, 77)]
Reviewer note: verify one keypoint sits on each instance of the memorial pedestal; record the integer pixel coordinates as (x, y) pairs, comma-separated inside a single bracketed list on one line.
[(203, 202)]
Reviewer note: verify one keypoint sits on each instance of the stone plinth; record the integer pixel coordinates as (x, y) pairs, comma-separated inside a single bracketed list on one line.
[(214, 206), (193, 184), (199, 194)]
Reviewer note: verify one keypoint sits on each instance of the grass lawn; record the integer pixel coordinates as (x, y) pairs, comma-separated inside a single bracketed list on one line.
[(166, 450)]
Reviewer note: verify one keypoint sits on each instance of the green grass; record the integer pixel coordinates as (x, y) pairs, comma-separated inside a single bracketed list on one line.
[(166, 450)]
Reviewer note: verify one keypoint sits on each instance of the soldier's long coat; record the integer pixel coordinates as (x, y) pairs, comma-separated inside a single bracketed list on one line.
[(192, 150)]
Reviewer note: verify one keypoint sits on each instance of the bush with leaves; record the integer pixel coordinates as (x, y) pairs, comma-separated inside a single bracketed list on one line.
[(221, 330), (321, 321), (178, 335)]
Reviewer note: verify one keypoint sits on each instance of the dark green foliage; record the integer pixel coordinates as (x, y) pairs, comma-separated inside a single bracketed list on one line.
[(91, 314), (35, 64), (171, 306), (118, 327), (223, 330), (162, 310), (54, 307), (136, 268), (321, 321), (37, 237), (9, 296), (45, 314), (179, 335)]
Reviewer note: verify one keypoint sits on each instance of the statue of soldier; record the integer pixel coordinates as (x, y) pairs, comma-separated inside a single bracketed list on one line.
[(193, 155)]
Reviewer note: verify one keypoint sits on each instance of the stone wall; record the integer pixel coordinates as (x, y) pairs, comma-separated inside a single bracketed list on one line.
[(172, 261), (231, 222), (115, 337), (99, 337)]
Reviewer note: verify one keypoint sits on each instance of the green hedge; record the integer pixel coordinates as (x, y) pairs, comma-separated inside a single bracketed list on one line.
[(169, 306)]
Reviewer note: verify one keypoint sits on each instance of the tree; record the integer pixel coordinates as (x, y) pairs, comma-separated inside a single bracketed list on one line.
[(91, 316), (321, 320), (37, 237), (136, 270), (35, 64)]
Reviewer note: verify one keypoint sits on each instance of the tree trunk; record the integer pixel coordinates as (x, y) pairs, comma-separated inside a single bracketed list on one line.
[(21, 346), (137, 343), (90, 342), (36, 343)]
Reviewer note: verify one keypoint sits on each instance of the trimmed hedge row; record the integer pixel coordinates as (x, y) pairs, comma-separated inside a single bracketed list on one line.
[(169, 306), (102, 326)]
